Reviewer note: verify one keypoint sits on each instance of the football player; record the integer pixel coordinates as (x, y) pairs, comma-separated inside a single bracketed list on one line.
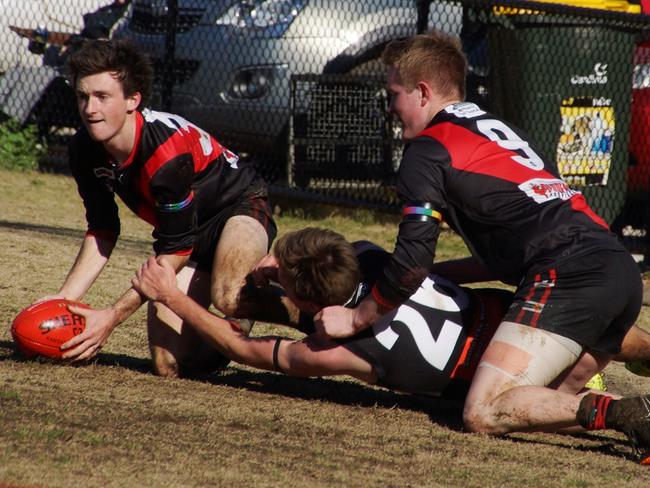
[(430, 345), (202, 201), (578, 290)]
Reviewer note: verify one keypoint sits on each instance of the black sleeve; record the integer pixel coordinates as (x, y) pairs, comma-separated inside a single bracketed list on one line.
[(421, 182), (171, 188), (372, 260), (99, 201)]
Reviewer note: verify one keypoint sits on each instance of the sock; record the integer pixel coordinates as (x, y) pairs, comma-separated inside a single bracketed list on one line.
[(593, 412)]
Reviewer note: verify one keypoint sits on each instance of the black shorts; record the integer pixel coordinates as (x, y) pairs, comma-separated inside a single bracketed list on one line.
[(254, 204), (593, 299), (401, 365)]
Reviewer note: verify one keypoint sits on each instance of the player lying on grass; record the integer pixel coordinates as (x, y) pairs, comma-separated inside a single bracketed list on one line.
[(430, 344)]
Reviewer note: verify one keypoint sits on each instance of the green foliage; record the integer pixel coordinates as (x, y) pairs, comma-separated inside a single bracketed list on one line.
[(20, 148)]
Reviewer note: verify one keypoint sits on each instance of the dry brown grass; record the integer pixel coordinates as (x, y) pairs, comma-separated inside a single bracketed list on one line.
[(112, 423)]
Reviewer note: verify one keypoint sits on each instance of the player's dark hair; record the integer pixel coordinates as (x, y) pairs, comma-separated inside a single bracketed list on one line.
[(321, 265), (435, 57), (120, 57)]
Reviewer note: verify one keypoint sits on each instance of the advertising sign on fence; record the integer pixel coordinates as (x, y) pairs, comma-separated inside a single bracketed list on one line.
[(584, 151)]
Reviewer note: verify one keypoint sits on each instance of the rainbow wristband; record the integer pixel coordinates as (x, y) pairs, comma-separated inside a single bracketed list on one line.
[(420, 211), (176, 207)]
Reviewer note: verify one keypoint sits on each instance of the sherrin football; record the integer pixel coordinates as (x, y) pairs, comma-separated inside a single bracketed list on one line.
[(41, 328)]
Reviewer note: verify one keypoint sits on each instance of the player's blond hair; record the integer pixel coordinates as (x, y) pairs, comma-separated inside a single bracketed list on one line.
[(320, 265), (434, 57)]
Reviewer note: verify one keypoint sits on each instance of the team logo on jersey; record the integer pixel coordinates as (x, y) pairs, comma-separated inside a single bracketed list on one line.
[(465, 110), (362, 291), (231, 158), (104, 173), (543, 190), (107, 178)]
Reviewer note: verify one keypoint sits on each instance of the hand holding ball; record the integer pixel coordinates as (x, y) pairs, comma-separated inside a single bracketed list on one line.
[(41, 328)]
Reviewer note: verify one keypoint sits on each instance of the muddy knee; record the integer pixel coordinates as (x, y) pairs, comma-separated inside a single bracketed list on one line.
[(226, 305), (476, 420), (164, 363), (238, 299), (170, 342)]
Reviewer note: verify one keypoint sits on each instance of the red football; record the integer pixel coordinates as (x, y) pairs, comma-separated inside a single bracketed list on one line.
[(41, 328)]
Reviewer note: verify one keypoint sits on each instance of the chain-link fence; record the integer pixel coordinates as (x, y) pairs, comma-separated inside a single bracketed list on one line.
[(297, 85), (35, 36)]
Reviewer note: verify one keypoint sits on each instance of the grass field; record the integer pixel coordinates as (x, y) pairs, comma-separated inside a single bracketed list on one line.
[(113, 423)]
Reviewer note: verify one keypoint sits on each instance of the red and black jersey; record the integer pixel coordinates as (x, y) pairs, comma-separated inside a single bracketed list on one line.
[(177, 178), (511, 207), (435, 337)]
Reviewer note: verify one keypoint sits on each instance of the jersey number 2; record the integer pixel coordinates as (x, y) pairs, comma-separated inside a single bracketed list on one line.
[(435, 352)]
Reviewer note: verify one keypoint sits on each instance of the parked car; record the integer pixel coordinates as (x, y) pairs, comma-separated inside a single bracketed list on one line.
[(233, 59), (65, 16), (41, 94)]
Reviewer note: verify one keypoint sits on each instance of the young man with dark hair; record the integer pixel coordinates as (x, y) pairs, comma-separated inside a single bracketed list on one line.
[(578, 289), (201, 199)]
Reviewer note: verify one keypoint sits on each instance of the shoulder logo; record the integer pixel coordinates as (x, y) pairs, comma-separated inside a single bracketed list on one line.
[(464, 110), (231, 158), (543, 190), (104, 173), (107, 178)]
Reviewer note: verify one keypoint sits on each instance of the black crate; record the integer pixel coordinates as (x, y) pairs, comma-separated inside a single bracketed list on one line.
[(341, 136)]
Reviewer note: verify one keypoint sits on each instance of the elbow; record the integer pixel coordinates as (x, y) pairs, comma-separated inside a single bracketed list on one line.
[(232, 353), (236, 355), (236, 349)]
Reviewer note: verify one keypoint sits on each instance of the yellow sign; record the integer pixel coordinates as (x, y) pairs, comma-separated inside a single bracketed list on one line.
[(632, 7), (584, 150)]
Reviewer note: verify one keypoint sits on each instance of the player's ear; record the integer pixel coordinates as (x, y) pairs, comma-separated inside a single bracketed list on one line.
[(133, 101), (425, 92)]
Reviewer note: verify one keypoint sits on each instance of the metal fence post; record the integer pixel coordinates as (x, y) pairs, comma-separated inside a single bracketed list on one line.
[(170, 48), (423, 15)]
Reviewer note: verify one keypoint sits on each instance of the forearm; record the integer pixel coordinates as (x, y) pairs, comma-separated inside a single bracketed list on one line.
[(464, 270), (126, 305), (409, 264), (89, 263), (218, 332), (131, 300)]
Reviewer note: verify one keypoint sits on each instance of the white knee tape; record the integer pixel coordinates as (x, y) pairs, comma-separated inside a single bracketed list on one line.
[(541, 355)]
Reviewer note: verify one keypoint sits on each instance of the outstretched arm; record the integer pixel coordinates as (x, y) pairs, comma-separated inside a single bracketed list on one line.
[(157, 281), (464, 270), (312, 356)]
